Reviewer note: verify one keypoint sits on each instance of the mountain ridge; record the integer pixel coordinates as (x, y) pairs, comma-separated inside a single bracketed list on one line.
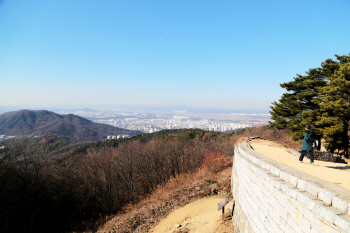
[(42, 122)]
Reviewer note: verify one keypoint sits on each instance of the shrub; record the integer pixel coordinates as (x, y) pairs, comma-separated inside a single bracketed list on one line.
[(214, 160)]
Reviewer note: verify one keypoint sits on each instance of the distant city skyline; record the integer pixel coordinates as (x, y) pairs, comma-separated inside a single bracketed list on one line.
[(136, 108), (206, 54), (150, 122)]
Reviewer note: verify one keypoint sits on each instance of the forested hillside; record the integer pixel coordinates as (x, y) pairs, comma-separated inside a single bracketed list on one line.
[(38, 195)]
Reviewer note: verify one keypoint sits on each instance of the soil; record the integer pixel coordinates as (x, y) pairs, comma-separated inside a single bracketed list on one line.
[(338, 173), (200, 216)]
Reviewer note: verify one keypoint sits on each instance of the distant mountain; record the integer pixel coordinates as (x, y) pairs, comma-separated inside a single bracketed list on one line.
[(42, 122)]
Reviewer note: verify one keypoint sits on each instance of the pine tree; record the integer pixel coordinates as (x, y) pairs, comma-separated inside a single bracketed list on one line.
[(300, 105), (334, 119)]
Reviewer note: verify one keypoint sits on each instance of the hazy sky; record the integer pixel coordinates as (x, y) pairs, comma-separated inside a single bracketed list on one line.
[(227, 54)]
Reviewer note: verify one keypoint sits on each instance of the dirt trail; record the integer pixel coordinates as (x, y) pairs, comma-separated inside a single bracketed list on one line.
[(338, 173), (200, 216)]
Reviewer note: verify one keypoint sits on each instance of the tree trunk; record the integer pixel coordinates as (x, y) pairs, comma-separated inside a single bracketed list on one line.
[(346, 145), (318, 144), (346, 150)]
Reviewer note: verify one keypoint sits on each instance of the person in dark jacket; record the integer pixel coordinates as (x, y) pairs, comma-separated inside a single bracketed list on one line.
[(307, 145)]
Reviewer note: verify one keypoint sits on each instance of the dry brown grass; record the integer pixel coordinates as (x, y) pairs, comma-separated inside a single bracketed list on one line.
[(140, 217), (275, 135), (214, 161)]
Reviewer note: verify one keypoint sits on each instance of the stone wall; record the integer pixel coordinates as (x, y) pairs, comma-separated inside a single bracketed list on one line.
[(273, 197)]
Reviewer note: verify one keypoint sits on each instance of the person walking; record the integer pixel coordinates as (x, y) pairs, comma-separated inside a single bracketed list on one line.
[(307, 145)]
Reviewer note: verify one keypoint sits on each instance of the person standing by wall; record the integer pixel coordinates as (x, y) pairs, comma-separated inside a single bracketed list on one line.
[(307, 145)]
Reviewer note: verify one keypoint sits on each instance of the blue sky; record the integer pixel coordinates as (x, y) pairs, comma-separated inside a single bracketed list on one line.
[(227, 54)]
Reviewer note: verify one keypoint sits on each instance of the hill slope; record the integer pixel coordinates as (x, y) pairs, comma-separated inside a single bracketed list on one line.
[(31, 123)]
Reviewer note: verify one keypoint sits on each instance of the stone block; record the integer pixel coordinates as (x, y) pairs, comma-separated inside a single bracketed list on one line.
[(268, 166), (319, 208), (285, 186), (330, 214), (305, 225), (316, 224), (274, 201), (289, 207), (265, 209), (307, 200), (242, 195), (301, 184), (259, 214), (262, 216), (254, 227), (266, 193), (275, 213), (275, 228), (269, 186), (325, 196), (248, 156), (312, 188), (248, 211), (257, 161), (282, 213), (307, 214), (293, 224), (300, 207), (255, 201), (253, 168), (243, 160), (343, 222), (250, 202), (260, 225), (262, 174), (322, 225), (260, 196), (245, 154), (297, 217), (289, 229), (280, 197), (275, 171), (262, 164), (266, 205), (282, 223), (340, 204), (253, 159), (313, 230), (292, 192), (268, 224), (293, 180), (240, 149), (284, 176), (277, 183), (270, 209)]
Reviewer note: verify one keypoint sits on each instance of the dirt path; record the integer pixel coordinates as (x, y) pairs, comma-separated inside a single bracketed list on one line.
[(200, 216), (338, 173)]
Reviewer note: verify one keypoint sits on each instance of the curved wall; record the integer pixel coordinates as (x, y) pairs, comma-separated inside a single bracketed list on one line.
[(273, 197)]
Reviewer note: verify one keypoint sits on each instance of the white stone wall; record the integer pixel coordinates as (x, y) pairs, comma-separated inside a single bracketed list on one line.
[(268, 199)]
